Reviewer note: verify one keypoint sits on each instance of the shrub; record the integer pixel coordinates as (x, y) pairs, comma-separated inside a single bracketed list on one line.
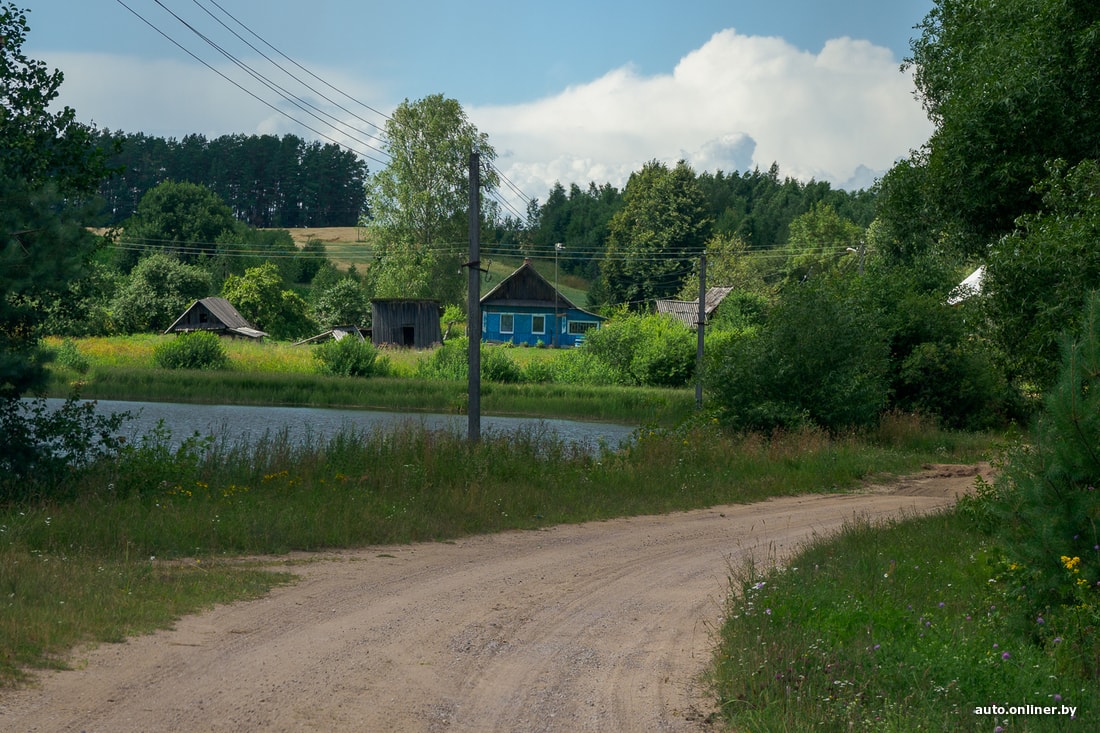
[(817, 360), (648, 350), (41, 448), (69, 356), (348, 357), (196, 350), (451, 362)]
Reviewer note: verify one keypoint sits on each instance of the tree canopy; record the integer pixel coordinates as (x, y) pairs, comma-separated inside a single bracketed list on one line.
[(47, 163), (419, 202), (1009, 85)]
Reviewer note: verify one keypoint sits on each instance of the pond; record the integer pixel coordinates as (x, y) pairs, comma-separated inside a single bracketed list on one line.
[(250, 422)]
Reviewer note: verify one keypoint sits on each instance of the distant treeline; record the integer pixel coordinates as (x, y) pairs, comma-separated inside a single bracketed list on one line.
[(756, 206), (266, 180)]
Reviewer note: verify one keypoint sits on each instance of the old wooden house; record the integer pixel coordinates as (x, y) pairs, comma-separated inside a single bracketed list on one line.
[(217, 315), (526, 309)]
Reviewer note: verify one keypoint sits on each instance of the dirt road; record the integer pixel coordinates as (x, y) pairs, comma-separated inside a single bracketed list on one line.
[(600, 627)]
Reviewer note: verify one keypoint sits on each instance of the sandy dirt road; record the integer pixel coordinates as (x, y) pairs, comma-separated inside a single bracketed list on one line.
[(600, 627)]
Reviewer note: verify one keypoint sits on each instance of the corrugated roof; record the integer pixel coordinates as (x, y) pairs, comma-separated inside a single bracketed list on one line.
[(688, 310)]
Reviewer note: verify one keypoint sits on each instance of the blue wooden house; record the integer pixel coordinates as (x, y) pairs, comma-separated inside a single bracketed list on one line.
[(526, 309)]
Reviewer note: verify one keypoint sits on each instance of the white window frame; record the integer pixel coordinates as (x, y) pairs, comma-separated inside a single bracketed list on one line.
[(588, 326), (511, 323), (542, 317)]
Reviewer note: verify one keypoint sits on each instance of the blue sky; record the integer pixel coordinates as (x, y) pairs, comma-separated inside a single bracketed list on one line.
[(568, 91)]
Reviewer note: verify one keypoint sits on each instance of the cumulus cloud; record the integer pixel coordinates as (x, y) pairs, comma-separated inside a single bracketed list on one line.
[(843, 115)]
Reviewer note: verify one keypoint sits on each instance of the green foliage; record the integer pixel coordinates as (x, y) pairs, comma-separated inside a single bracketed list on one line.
[(419, 202), (891, 627), (818, 242), (182, 219), (195, 350), (937, 366), (44, 450), (1010, 85), (817, 360), (650, 350), (260, 296), (41, 143), (1036, 277), (1047, 493), (156, 292), (69, 356), (48, 164), (349, 357), (344, 303), (663, 222), (451, 362)]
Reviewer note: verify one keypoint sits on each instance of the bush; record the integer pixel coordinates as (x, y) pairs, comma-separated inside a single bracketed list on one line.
[(451, 362), (646, 350), (69, 356), (817, 360), (41, 448), (196, 350), (349, 357)]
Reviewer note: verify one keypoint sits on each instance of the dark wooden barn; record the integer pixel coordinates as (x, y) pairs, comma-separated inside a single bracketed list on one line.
[(402, 322)]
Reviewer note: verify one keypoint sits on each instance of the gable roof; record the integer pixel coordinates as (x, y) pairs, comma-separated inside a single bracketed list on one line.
[(688, 310), (226, 315), (526, 287), (968, 288)]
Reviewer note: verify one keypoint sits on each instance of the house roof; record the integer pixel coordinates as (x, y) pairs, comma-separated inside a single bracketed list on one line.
[(527, 287), (968, 288), (688, 310), (226, 314)]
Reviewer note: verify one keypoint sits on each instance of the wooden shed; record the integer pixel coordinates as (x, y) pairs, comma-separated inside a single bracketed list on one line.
[(217, 315), (404, 322)]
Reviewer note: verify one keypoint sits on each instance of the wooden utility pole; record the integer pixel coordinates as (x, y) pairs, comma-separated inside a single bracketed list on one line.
[(473, 302), (700, 326)]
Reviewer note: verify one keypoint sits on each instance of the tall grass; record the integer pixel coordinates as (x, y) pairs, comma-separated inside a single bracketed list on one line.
[(893, 627), (205, 499)]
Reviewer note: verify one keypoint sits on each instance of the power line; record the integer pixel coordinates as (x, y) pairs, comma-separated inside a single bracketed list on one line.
[(302, 104)]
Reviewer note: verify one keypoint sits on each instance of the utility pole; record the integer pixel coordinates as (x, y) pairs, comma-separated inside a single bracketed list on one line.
[(557, 306), (700, 326), (473, 303)]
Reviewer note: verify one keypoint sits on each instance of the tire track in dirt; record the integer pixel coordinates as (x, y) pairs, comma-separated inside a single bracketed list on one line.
[(595, 627)]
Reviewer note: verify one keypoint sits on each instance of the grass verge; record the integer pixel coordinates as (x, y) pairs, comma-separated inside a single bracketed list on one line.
[(891, 627)]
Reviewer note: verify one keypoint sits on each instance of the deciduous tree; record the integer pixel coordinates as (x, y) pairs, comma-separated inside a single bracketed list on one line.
[(419, 202), (48, 161)]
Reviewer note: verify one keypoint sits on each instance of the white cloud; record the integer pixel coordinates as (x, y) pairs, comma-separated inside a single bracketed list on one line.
[(843, 115)]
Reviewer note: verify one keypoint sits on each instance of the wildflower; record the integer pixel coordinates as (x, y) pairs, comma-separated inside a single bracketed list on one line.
[(1005, 655), (1057, 697), (1040, 621), (768, 611)]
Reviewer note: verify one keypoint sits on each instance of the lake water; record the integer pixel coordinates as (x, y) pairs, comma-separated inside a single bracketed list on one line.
[(250, 422)]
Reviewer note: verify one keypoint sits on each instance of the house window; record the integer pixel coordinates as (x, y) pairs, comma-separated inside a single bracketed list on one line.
[(538, 324), (577, 328), (507, 322)]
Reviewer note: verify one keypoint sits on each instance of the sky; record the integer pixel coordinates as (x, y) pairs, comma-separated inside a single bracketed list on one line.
[(568, 91)]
